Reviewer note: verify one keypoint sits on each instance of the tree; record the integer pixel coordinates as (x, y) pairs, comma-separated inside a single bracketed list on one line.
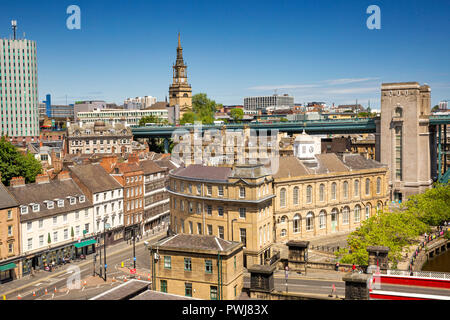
[(203, 109), (188, 117), (72, 234), (49, 239), (435, 108), (237, 114), (152, 119), (15, 164)]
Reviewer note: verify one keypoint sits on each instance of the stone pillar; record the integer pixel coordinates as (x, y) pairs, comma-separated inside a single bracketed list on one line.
[(261, 280), (378, 256), (298, 254), (356, 286)]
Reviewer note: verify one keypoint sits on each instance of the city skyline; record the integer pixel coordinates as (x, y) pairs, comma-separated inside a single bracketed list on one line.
[(251, 49)]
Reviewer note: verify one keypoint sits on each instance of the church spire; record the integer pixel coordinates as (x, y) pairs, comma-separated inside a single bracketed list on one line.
[(179, 41)]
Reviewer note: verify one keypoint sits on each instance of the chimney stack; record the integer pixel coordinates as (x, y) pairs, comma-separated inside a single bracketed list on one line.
[(17, 182), (64, 175), (42, 178)]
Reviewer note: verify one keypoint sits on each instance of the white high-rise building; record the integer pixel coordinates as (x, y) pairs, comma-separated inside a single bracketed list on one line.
[(139, 102), (18, 90), (253, 104)]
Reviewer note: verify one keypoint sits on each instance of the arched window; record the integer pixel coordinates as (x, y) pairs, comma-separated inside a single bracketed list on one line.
[(296, 223), (283, 233), (283, 197), (334, 216), (309, 194), (309, 221), (345, 187), (322, 219), (367, 186), (368, 209), (398, 112), (345, 215), (357, 212), (322, 192), (284, 219), (378, 185), (333, 191), (295, 196), (379, 207), (356, 188)]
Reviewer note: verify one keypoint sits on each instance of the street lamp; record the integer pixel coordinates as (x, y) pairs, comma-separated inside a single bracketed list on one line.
[(105, 226)]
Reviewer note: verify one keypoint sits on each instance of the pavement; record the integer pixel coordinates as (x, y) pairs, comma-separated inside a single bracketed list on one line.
[(29, 284)]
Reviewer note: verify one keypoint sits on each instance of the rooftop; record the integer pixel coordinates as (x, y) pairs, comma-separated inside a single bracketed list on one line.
[(95, 177), (197, 242), (6, 199)]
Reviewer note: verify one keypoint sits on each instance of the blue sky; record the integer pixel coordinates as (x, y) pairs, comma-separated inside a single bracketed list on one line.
[(314, 50)]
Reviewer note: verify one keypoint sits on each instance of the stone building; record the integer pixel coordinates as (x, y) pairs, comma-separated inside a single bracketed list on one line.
[(326, 194), (99, 138), (403, 130), (230, 203), (198, 266), (55, 220), (10, 267)]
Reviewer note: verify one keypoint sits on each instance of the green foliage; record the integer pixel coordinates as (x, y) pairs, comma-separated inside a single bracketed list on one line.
[(284, 120), (447, 234), (399, 228), (237, 114), (435, 108), (72, 234), (152, 119), (203, 109), (49, 239), (15, 164)]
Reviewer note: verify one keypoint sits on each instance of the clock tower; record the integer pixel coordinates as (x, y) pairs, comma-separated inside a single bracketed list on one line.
[(180, 92)]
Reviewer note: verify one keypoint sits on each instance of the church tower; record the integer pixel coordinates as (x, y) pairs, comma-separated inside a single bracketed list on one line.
[(180, 92)]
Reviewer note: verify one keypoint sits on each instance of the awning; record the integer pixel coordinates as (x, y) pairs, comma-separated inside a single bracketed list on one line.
[(85, 243), (8, 266)]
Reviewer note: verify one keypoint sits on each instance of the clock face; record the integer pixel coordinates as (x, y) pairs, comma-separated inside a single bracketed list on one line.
[(311, 149)]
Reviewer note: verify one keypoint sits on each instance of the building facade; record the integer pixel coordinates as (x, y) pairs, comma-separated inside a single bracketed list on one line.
[(326, 195), (99, 137), (19, 90), (106, 196), (180, 91), (252, 105), (55, 221), (139, 102), (234, 204), (10, 268), (199, 266), (127, 117), (403, 132)]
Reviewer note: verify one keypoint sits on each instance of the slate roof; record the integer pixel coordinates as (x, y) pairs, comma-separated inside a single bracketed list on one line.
[(37, 193), (198, 242), (200, 172), (95, 177), (150, 167), (358, 162), (6, 198), (290, 166)]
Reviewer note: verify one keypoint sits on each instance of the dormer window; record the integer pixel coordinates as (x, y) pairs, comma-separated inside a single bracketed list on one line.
[(72, 200), (23, 209), (35, 207), (81, 199), (50, 204), (60, 203)]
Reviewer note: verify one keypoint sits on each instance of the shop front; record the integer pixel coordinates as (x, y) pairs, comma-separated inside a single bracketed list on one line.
[(8, 272)]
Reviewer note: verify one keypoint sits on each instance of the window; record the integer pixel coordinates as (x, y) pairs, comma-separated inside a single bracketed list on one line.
[(188, 289), (55, 220), (345, 215), (66, 234), (190, 207), (35, 207), (55, 236), (60, 203), (164, 286), (9, 214), (295, 196), (30, 243), (283, 197), (199, 188), (243, 236), (242, 213), (86, 227), (357, 213), (77, 230), (283, 233), (356, 188), (333, 191), (296, 223), (181, 186), (65, 217), (345, 187), (72, 200), (23, 210), (308, 194), (167, 262), (241, 192), (29, 225), (322, 192), (187, 264), (41, 223), (221, 232), (322, 219), (199, 208), (209, 190), (378, 185), (10, 231), (190, 188), (220, 211), (220, 191), (209, 227), (191, 229), (309, 221), (209, 210), (208, 266), (367, 187), (41, 240), (199, 228), (213, 292), (368, 209)]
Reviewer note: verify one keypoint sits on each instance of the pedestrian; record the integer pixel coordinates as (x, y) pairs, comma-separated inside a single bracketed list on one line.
[(353, 268), (336, 267)]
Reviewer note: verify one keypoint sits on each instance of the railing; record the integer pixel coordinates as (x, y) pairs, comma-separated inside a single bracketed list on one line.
[(420, 274)]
